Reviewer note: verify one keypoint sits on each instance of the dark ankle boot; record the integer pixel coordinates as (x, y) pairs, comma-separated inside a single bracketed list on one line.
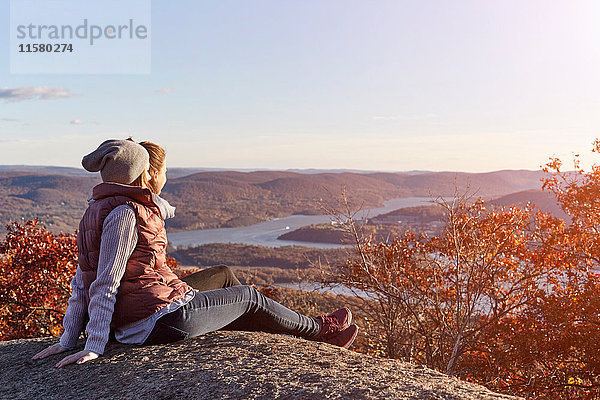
[(333, 323), (344, 338)]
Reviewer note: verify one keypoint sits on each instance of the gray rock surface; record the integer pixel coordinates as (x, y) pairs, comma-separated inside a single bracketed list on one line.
[(224, 365)]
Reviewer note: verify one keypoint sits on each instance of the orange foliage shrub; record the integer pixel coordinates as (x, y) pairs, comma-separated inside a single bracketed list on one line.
[(508, 298), (550, 350), (36, 268), (430, 299), (172, 263)]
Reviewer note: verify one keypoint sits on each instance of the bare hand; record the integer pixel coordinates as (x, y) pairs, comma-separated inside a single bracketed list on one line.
[(48, 351), (80, 357)]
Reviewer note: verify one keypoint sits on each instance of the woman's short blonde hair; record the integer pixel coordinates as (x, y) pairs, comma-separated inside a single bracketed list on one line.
[(157, 162), (157, 155)]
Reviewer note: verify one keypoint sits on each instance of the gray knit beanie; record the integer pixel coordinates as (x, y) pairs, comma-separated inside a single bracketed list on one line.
[(119, 161)]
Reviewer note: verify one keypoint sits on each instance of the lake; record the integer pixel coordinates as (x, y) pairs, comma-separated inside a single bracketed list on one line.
[(266, 233), (317, 287)]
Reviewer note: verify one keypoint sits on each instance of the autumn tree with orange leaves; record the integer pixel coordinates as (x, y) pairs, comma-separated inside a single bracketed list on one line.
[(509, 298), (430, 299), (36, 268), (550, 350)]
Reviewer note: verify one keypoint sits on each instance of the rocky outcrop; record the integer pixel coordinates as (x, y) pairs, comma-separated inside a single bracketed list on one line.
[(224, 365)]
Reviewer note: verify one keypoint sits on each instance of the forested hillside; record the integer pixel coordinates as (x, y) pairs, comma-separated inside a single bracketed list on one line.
[(216, 199)]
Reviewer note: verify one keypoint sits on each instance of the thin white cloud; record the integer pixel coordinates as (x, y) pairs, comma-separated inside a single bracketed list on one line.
[(76, 122), (165, 90), (9, 119), (34, 92)]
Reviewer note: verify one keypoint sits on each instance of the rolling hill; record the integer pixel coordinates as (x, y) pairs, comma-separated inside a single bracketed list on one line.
[(212, 199), (57, 200)]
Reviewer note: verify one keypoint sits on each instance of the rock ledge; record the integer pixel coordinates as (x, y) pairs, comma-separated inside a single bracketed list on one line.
[(225, 365)]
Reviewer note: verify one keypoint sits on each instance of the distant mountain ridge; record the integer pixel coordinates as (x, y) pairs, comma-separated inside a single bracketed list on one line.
[(216, 198), (544, 201), (45, 170), (212, 199)]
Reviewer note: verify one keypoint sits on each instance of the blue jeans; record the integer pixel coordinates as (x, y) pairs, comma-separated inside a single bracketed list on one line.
[(234, 308)]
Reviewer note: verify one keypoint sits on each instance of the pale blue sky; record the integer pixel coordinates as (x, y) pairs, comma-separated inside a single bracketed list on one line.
[(377, 85)]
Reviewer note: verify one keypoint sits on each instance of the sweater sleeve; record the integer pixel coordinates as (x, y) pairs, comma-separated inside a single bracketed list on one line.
[(118, 240), (75, 315)]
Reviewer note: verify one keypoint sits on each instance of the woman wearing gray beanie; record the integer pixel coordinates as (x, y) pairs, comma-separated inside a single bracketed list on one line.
[(124, 286)]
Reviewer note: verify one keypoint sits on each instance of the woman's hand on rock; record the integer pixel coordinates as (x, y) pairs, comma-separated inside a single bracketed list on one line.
[(80, 357), (48, 351)]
